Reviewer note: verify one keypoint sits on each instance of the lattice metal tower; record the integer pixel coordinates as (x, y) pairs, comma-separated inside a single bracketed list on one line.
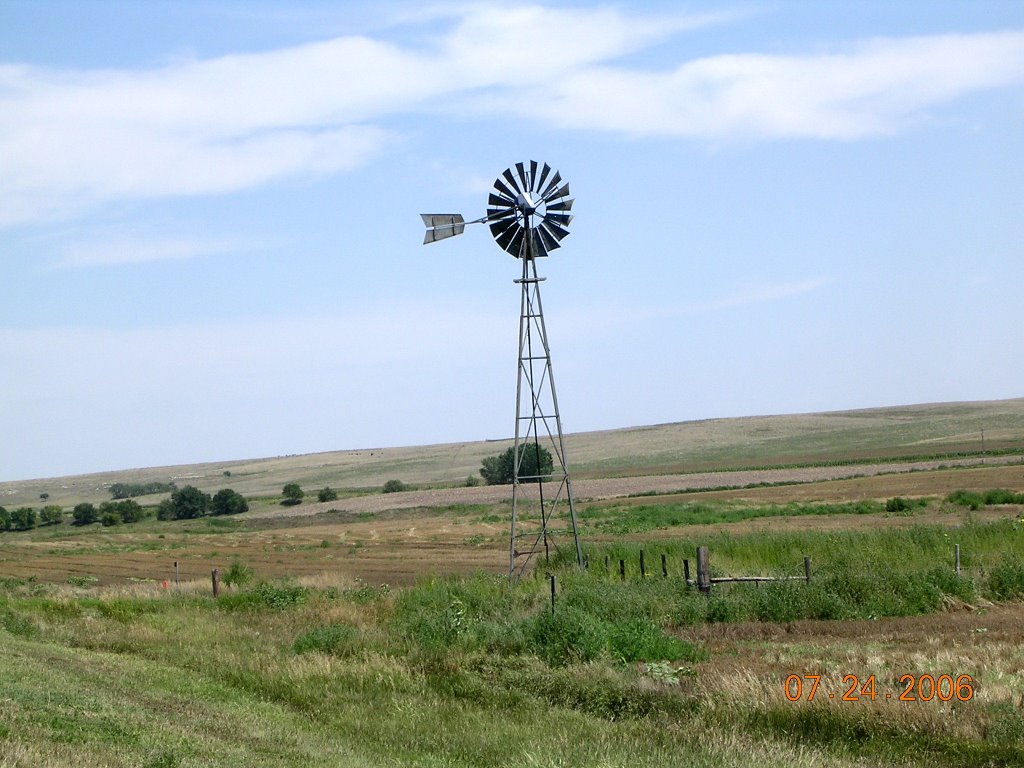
[(528, 215)]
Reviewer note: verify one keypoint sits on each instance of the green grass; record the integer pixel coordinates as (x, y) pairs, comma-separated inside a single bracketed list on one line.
[(474, 671)]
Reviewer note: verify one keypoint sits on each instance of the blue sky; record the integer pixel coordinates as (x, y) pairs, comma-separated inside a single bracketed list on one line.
[(210, 235)]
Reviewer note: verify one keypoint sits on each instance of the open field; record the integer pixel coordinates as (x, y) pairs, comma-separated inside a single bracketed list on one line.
[(688, 447), (339, 648)]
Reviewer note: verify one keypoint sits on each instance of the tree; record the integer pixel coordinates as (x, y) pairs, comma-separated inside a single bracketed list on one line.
[(84, 514), (327, 494), (130, 510), (498, 470), (23, 518), (52, 514), (292, 494), (393, 486), (228, 502), (44, 496), (189, 502), (110, 517), (5, 520), (165, 510)]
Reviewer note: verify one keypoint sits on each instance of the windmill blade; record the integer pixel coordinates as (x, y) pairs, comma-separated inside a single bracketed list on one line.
[(515, 247), (498, 228), (543, 175), (533, 175), (507, 173), (441, 219), (506, 235), (521, 169), (537, 247), (552, 184), (561, 205), (562, 192), (493, 214), (500, 201), (564, 219), (557, 230), (506, 239), (502, 189), (550, 241)]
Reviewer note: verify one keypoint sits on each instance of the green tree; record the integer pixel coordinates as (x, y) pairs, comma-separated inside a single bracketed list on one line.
[(166, 510), (84, 514), (499, 470), (52, 514), (393, 486), (5, 520), (189, 502), (23, 518), (327, 494), (130, 510), (292, 493), (109, 517), (228, 502)]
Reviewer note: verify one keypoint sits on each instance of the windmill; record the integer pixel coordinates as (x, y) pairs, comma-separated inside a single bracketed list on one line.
[(528, 215)]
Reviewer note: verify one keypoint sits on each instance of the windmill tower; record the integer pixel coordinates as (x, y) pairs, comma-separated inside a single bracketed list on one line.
[(528, 215)]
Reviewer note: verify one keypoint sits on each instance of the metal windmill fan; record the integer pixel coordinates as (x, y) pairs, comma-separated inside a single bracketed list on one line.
[(528, 212), (528, 215)]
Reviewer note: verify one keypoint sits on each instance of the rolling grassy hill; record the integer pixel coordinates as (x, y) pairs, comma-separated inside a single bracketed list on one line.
[(714, 444)]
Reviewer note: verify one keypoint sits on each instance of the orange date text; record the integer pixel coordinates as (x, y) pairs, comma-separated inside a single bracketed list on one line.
[(924, 687)]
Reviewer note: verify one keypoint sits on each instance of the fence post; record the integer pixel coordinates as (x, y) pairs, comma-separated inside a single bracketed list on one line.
[(686, 571), (552, 577), (956, 557), (703, 570), (643, 568), (606, 561), (664, 566), (177, 574), (807, 570), (622, 569), (216, 582)]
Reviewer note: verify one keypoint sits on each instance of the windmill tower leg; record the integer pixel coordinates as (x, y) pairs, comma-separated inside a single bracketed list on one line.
[(543, 506)]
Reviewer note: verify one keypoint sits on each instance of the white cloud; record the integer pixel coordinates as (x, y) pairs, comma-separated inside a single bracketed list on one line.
[(73, 139)]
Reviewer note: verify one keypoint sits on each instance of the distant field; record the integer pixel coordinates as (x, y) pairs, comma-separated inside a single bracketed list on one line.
[(685, 447)]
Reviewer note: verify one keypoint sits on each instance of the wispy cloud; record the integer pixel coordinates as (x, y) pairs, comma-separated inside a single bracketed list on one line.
[(73, 139), (121, 249)]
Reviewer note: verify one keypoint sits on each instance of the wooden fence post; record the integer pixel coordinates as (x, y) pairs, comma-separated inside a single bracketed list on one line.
[(177, 574), (622, 569), (686, 571), (807, 570), (552, 577), (606, 561), (664, 566), (956, 557), (216, 582), (643, 568), (703, 570)]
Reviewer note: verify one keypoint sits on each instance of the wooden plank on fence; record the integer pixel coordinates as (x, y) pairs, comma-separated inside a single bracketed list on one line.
[(703, 570)]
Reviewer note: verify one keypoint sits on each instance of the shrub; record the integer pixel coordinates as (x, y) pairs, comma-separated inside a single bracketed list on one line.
[(1006, 580), (130, 511), (472, 481), (84, 514), (567, 636), (642, 640), (52, 514), (109, 518), (127, 490), (327, 494), (292, 493), (393, 486), (5, 520), (335, 639), (266, 596), (237, 574), (23, 518), (897, 504), (964, 498), (228, 502), (1003, 496), (165, 510)]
